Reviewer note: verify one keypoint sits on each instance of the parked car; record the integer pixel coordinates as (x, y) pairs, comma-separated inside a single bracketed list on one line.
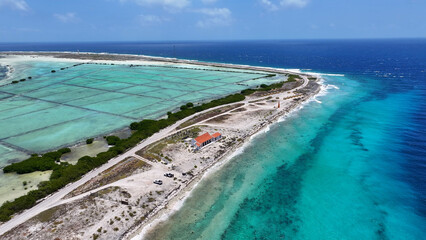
[(159, 182), (169, 175)]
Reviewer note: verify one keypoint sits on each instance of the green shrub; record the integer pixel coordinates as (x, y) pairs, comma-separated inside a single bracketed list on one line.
[(112, 140), (64, 150), (292, 78), (247, 91), (262, 87), (134, 126), (35, 163), (265, 87), (89, 141)]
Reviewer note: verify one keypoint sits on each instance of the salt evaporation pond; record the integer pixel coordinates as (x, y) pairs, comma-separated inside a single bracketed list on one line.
[(53, 110)]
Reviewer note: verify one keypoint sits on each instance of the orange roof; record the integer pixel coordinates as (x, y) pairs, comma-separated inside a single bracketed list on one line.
[(198, 144), (203, 138), (215, 135)]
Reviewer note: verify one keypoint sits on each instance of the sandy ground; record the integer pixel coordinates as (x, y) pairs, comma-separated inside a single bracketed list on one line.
[(13, 61), (13, 58), (16, 185), (150, 202)]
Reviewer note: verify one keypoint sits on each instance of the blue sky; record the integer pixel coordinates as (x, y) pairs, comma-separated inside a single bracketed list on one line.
[(168, 20)]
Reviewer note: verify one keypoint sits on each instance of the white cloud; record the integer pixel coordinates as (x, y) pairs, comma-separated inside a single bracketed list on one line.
[(214, 17), (269, 5), (16, 4), (151, 19), (66, 17), (220, 12), (274, 5), (294, 3), (168, 4)]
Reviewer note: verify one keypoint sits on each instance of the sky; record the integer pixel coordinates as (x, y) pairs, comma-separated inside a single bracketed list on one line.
[(180, 20)]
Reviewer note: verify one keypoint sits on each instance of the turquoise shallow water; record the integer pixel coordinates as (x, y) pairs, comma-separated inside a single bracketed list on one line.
[(326, 172)]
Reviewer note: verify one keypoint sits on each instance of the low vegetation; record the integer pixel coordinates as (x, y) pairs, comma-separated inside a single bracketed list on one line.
[(112, 140), (119, 171), (262, 87), (154, 151), (209, 114), (292, 78), (44, 162), (20, 80), (186, 106)]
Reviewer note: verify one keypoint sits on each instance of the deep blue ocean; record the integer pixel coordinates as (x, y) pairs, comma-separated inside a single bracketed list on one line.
[(351, 165)]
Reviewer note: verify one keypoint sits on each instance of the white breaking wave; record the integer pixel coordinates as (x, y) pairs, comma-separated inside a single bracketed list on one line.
[(323, 74), (7, 76), (333, 86), (296, 70), (333, 75), (323, 91)]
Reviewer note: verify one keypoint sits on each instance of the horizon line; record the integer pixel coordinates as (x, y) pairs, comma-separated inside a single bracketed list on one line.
[(216, 40)]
